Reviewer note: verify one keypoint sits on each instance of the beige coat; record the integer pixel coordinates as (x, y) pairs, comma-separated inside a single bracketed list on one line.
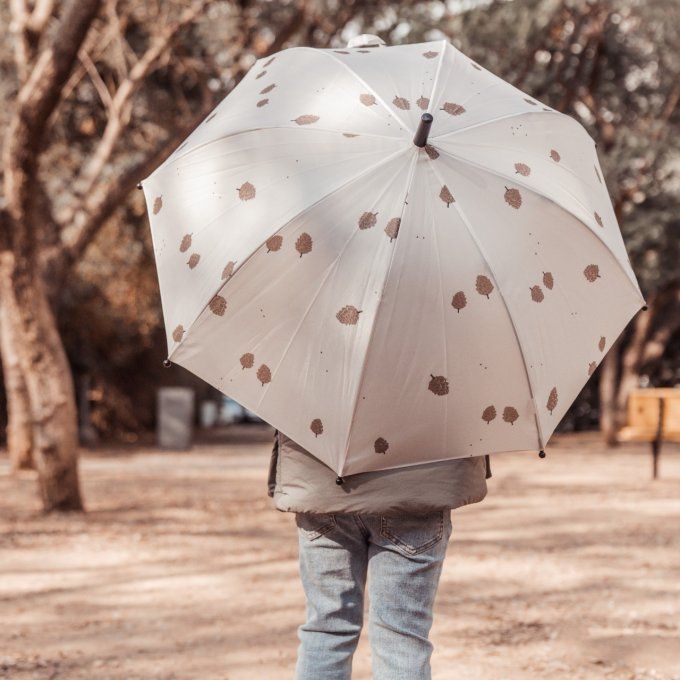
[(298, 482)]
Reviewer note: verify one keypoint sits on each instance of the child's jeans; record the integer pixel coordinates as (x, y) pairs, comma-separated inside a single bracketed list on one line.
[(403, 558)]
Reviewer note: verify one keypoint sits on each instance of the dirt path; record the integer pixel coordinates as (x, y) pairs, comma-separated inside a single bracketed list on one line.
[(181, 569)]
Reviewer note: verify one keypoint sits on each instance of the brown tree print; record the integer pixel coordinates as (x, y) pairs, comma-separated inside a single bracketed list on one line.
[(592, 273), (246, 191), (438, 385), (185, 244), (228, 270), (368, 220), (510, 414), (348, 315), (453, 109), (513, 198), (264, 374), (483, 285), (598, 219), (193, 261), (459, 301), (602, 343), (304, 244), (268, 89), (261, 74), (431, 152), (537, 294), (522, 169), (552, 400), (401, 103), (367, 99), (488, 414), (548, 280), (430, 54), (178, 333), (555, 155), (392, 228), (218, 305), (262, 102), (247, 360), (157, 204), (307, 119), (423, 102), (591, 367), (381, 445), (446, 196), (274, 243), (316, 426)]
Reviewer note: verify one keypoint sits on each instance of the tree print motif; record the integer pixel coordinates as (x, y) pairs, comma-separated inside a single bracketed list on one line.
[(548, 280), (246, 191), (401, 103), (228, 270), (367, 99), (513, 198), (348, 315), (446, 196), (193, 260), (555, 155), (430, 54), (439, 385), (178, 333), (316, 426), (537, 294), (381, 445), (602, 343), (157, 204), (368, 220), (218, 305), (488, 414), (510, 414), (274, 243), (423, 102), (303, 244), (260, 75), (598, 219), (522, 169), (459, 301), (552, 400), (262, 102), (185, 244), (431, 152), (247, 360), (484, 285), (392, 228), (453, 109), (307, 119), (591, 367), (592, 273), (268, 89), (264, 374)]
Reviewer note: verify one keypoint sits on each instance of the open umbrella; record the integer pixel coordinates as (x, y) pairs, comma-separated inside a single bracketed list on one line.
[(390, 254)]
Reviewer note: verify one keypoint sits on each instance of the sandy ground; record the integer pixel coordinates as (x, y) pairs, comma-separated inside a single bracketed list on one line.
[(181, 569)]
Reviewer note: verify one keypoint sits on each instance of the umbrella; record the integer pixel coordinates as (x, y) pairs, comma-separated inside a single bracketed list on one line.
[(390, 254)]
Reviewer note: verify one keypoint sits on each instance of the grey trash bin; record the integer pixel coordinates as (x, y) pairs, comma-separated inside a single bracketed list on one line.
[(175, 417)]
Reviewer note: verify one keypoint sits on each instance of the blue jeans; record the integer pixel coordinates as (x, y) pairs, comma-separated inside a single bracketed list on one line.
[(403, 558)]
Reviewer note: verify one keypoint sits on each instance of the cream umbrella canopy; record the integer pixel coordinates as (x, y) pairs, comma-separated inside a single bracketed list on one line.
[(390, 254)]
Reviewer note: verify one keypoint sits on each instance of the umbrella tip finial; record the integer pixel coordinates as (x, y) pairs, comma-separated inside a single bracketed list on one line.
[(139, 185), (167, 363), (339, 480), (423, 130), (541, 454)]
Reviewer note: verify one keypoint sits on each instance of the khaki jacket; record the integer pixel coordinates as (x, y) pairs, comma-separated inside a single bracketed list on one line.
[(298, 482)]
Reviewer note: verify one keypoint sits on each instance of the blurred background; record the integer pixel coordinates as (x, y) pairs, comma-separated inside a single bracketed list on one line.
[(96, 93)]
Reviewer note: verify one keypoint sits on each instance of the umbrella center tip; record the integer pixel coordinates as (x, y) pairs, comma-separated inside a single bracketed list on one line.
[(423, 130)]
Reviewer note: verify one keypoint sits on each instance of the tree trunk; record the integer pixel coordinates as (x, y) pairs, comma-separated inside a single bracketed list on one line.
[(609, 380), (50, 390)]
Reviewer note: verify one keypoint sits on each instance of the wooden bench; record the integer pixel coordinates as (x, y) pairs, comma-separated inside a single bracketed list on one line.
[(653, 416)]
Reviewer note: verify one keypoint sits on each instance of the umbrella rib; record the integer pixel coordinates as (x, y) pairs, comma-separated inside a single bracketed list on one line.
[(402, 124), (480, 249), (223, 284), (514, 180), (362, 371)]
